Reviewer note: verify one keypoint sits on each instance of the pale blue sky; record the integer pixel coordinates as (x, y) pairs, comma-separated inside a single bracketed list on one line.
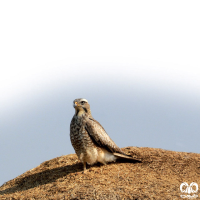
[(137, 63)]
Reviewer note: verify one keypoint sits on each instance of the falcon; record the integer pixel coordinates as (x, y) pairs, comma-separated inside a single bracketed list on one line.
[(89, 139)]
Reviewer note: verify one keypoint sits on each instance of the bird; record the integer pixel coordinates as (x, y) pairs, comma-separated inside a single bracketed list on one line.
[(89, 139)]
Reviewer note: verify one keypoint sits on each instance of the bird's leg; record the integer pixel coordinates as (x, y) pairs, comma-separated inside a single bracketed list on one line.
[(84, 167), (104, 163)]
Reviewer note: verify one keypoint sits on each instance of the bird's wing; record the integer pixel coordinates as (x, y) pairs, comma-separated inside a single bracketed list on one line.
[(100, 137)]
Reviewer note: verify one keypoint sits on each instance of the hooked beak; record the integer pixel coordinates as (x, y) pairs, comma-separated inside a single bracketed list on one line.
[(75, 104)]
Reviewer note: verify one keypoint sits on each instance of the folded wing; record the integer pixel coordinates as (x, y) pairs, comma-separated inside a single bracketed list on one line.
[(100, 137)]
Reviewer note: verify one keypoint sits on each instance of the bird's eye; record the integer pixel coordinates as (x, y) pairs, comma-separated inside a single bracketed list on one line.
[(82, 102)]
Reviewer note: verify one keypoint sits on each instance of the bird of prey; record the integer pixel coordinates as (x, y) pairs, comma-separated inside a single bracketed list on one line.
[(89, 139)]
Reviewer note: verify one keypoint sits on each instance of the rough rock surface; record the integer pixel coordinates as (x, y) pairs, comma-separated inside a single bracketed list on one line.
[(157, 176)]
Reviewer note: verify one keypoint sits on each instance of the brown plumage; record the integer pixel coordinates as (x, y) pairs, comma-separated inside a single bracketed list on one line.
[(89, 139)]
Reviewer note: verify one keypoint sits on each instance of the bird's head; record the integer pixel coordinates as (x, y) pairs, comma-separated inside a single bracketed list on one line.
[(81, 106)]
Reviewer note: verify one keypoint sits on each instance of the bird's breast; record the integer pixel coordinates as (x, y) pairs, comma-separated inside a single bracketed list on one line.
[(80, 139)]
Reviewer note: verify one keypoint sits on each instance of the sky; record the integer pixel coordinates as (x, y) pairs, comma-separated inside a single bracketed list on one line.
[(136, 62)]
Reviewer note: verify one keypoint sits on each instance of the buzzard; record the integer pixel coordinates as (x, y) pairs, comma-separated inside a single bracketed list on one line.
[(89, 139)]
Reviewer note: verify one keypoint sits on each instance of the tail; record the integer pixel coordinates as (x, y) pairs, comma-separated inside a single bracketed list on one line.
[(118, 155)]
